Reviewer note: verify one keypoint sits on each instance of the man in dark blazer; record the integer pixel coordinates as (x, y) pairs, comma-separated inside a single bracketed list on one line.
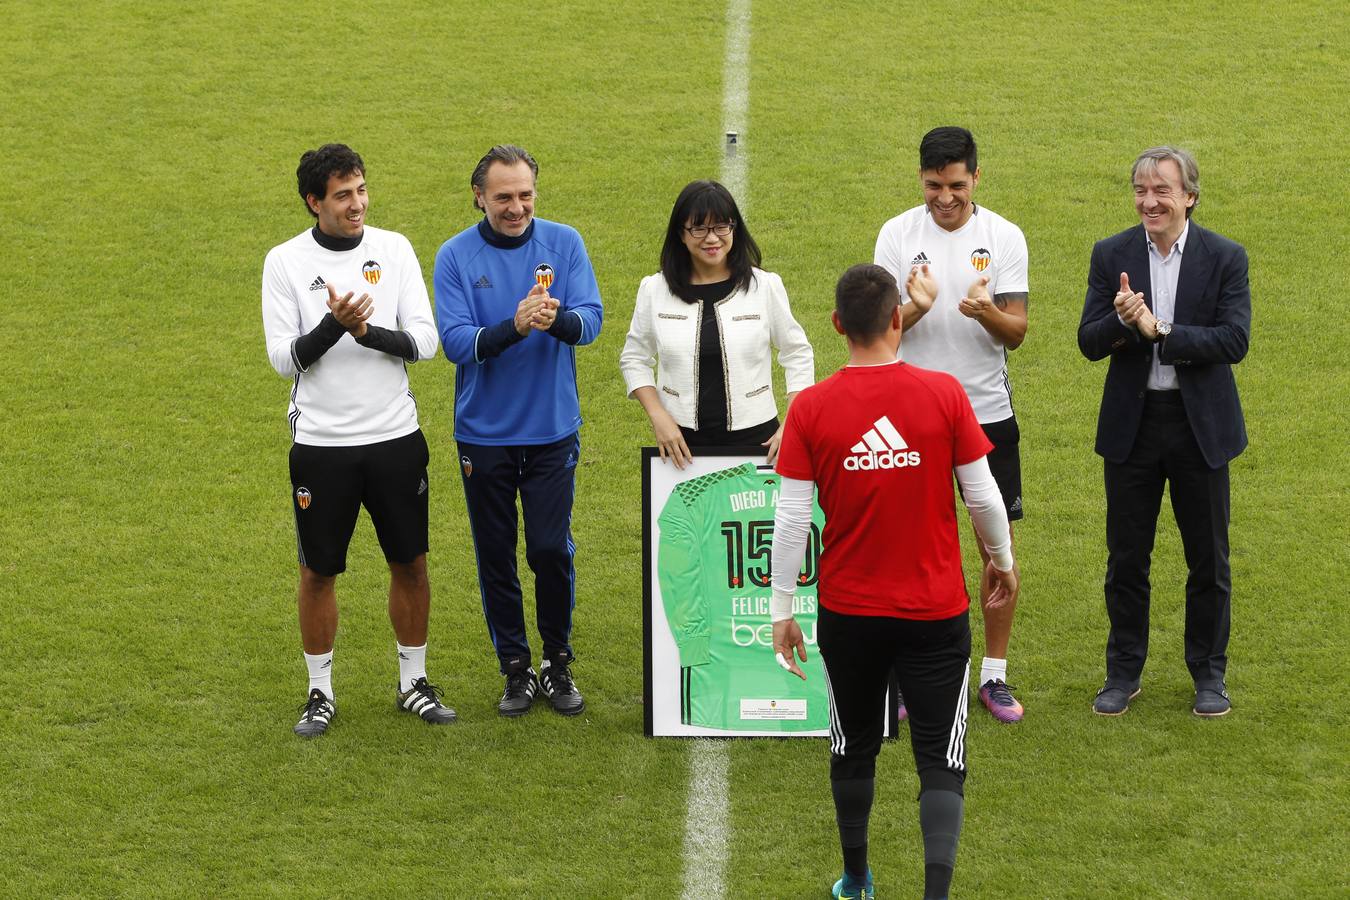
[(1169, 303)]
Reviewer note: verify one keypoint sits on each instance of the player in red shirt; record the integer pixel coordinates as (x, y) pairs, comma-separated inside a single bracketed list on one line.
[(880, 439)]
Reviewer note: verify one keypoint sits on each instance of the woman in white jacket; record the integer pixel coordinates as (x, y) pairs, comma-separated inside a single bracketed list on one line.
[(708, 322)]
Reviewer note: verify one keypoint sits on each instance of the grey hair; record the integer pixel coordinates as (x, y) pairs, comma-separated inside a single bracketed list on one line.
[(1149, 160), (509, 154)]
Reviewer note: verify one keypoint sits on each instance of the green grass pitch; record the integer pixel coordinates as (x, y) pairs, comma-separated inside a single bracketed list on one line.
[(149, 658)]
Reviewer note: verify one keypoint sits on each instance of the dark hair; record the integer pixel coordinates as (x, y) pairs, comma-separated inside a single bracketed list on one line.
[(508, 154), (706, 203), (864, 298), (943, 146), (316, 166)]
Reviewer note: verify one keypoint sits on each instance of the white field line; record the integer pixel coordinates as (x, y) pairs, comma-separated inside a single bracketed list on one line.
[(706, 835), (736, 97)]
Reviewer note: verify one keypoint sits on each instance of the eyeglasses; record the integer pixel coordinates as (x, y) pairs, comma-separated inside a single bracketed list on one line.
[(721, 229)]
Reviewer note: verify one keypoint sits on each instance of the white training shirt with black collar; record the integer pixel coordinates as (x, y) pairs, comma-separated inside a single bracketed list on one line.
[(351, 395), (944, 339)]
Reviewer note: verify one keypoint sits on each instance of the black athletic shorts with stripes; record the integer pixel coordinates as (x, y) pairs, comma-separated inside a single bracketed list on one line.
[(1005, 463), (329, 485), (931, 659)]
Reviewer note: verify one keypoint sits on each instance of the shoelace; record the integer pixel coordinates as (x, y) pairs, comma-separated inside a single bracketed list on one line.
[(428, 690), (1002, 693), (517, 685), (310, 708), (561, 677)]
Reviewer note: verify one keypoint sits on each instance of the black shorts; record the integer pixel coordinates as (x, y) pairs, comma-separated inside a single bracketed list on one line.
[(1005, 463), (329, 485), (931, 659)]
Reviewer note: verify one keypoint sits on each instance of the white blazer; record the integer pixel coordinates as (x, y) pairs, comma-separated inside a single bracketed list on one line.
[(665, 333)]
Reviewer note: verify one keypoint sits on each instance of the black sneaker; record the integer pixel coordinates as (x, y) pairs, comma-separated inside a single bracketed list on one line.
[(555, 679), (423, 699), (521, 686), (315, 714)]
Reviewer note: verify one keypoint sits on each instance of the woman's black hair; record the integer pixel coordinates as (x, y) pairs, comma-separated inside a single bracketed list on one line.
[(706, 203)]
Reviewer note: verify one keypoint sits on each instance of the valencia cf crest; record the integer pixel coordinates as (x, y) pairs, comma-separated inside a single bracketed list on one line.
[(371, 271), (980, 259), (467, 465), (302, 498), (543, 275)]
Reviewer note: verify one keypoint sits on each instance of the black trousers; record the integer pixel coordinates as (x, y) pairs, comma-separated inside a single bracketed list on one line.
[(1165, 452), (718, 436), (931, 660), (545, 478)]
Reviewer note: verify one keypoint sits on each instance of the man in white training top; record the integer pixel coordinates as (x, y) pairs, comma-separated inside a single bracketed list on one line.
[(979, 260), (344, 311)]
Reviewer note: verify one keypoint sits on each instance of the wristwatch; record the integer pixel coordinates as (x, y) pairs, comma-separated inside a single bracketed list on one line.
[(1164, 329)]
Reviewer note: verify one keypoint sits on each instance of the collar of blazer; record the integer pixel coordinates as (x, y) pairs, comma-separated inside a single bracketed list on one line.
[(1196, 263)]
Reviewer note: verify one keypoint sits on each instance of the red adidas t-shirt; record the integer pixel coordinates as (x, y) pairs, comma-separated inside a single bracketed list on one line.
[(880, 442)]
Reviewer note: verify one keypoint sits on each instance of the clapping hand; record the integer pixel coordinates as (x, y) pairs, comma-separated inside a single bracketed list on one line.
[(1133, 311), (921, 287), (529, 309), (351, 314), (977, 301)]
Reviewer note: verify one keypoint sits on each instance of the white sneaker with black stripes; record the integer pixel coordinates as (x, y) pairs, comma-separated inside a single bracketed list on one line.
[(424, 700), (315, 715)]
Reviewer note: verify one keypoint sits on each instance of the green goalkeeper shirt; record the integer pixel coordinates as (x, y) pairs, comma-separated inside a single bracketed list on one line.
[(714, 567)]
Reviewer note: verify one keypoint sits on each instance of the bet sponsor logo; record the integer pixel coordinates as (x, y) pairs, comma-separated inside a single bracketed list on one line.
[(760, 634), (881, 447), (980, 259), (371, 271)]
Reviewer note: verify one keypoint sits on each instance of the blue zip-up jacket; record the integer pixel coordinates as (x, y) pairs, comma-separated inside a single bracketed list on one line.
[(513, 390)]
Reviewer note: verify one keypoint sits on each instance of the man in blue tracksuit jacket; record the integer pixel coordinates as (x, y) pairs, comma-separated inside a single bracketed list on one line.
[(514, 296)]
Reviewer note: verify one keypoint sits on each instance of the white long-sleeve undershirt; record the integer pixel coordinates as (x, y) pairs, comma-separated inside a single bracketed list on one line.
[(792, 526)]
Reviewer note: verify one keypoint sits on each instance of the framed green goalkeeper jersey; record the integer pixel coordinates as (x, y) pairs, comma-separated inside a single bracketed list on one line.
[(713, 566)]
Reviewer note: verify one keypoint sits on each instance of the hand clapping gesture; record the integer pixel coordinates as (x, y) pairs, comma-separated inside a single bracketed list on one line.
[(1133, 311), (351, 314), (977, 303), (536, 312), (921, 287)]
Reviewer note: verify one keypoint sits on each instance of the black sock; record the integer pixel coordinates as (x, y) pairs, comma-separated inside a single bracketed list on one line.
[(852, 807), (940, 814)]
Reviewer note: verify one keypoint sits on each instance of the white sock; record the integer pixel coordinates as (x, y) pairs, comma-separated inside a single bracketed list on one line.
[(321, 672), (993, 670), (412, 665)]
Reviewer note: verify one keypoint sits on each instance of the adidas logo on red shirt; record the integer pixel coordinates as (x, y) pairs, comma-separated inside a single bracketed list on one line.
[(881, 447)]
